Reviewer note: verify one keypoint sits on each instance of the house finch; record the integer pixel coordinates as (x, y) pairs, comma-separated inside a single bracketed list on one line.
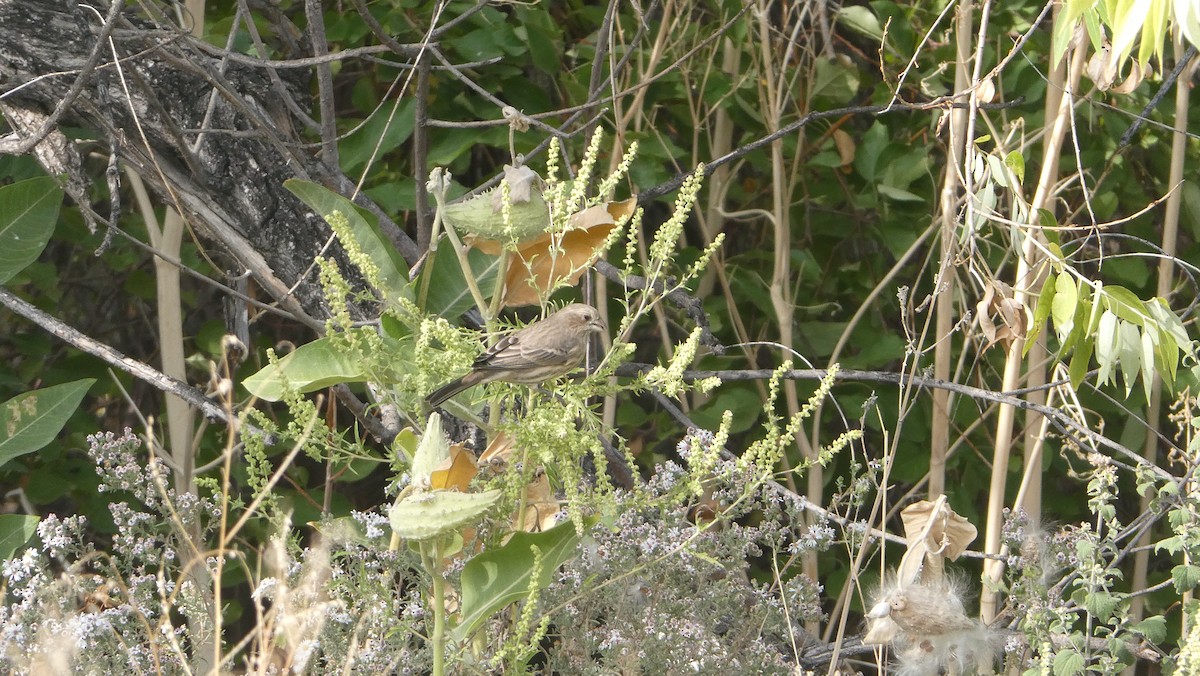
[(537, 353)]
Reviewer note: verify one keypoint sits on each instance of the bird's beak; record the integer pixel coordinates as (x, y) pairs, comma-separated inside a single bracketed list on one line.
[(597, 325)]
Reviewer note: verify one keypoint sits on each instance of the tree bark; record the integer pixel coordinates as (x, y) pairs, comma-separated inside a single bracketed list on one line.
[(211, 136)]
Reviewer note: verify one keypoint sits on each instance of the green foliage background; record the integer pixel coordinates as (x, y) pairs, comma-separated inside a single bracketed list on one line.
[(666, 76)]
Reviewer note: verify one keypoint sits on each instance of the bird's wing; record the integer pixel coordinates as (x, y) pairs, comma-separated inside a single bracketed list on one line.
[(511, 352)]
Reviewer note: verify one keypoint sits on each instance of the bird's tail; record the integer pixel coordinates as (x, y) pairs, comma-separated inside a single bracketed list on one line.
[(441, 394)]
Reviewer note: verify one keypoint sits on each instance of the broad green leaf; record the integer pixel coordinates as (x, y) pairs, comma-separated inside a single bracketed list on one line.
[(1049, 226), (15, 530), (1081, 359), (1153, 628), (310, 367), (998, 170), (1168, 322), (1166, 355), (1185, 577), (30, 421), (861, 20), (834, 78), (500, 576), (1068, 663), (1016, 162), (28, 213), (1064, 27), (448, 294), (406, 444), (1148, 360), (898, 194), (1129, 349), (1101, 605), (425, 515), (1127, 22), (365, 226), (1064, 304), (1125, 304), (1107, 344), (1057, 255), (394, 130), (1041, 312), (433, 449)]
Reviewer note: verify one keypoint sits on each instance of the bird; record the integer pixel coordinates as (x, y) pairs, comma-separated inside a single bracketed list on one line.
[(539, 352)]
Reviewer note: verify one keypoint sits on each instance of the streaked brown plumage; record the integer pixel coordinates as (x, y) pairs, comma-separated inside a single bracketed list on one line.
[(539, 352)]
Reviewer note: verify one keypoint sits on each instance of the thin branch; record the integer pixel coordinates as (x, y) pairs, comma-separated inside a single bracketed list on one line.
[(791, 128), (320, 47), (133, 367), (1060, 419), (1166, 85)]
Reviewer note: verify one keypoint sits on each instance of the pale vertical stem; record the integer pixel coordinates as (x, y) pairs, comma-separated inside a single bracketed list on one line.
[(1022, 289), (944, 280), (712, 218), (1030, 498), (781, 276), (206, 654), (1166, 274)]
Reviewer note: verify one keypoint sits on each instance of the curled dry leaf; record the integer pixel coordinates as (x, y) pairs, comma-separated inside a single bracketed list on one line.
[(934, 533), (544, 262), (845, 147), (998, 300), (498, 450), (541, 506), (456, 471)]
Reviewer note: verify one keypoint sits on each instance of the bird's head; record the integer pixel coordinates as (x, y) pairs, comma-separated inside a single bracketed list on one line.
[(583, 317)]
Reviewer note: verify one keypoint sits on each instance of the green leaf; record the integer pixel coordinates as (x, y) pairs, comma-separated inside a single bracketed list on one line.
[(30, 421), (1107, 345), (448, 295), (898, 194), (425, 515), (1041, 312), (15, 530), (365, 226), (1166, 357), (406, 444), (1068, 663), (309, 368), (1101, 605), (1016, 162), (861, 20), (1129, 354), (1168, 322), (28, 213), (998, 171), (500, 576), (354, 151), (1153, 628), (432, 451), (1125, 304), (1185, 577), (1064, 27), (1049, 226), (1148, 359), (1065, 302), (835, 78)]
